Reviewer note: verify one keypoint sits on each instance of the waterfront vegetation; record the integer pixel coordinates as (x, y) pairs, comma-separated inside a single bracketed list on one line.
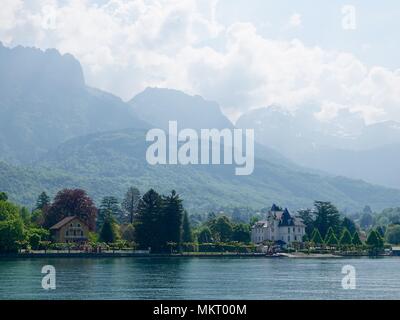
[(161, 224)]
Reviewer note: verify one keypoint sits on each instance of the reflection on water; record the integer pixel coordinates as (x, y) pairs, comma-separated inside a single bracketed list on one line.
[(200, 278)]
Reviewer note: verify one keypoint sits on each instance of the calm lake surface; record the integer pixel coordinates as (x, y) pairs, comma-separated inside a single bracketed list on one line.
[(200, 278)]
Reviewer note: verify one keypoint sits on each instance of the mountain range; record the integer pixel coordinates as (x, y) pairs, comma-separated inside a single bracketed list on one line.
[(345, 146), (56, 132)]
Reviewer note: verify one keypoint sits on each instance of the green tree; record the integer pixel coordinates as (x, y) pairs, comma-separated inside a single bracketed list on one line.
[(356, 240), (393, 234), (131, 202), (25, 215), (172, 215), (11, 227), (367, 220), (327, 215), (42, 201), (331, 238), (374, 240), (149, 230), (381, 231), (108, 232), (241, 233), (316, 237), (205, 235), (3, 196), (128, 233), (109, 206), (345, 238), (307, 216), (349, 224), (187, 235), (37, 217), (222, 229)]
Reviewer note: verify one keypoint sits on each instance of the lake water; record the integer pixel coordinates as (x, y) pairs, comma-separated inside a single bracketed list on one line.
[(200, 278)]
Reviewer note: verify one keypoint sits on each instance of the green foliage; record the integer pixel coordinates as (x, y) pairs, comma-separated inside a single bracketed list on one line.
[(130, 202), (11, 227), (349, 224), (128, 233), (241, 233), (327, 216), (374, 240), (149, 228), (109, 207), (393, 234), (3, 196), (307, 216), (205, 235), (109, 231), (25, 215), (187, 235), (316, 237), (171, 215), (345, 238), (42, 201), (221, 229), (356, 240), (331, 238)]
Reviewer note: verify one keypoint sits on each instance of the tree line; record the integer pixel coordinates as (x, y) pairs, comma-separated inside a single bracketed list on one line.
[(325, 226)]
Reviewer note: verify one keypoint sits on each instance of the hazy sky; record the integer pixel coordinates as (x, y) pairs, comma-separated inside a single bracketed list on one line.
[(243, 54)]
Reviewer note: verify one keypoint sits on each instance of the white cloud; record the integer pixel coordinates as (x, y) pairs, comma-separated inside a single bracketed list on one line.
[(125, 46)]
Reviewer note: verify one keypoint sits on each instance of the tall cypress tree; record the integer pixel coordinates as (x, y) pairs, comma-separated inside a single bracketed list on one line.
[(149, 227), (172, 212), (187, 235)]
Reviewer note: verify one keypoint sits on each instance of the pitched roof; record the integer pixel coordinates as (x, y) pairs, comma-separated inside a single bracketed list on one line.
[(63, 222), (286, 219)]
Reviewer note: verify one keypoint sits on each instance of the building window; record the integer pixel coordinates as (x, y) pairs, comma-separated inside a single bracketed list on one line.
[(288, 230), (288, 238), (66, 233)]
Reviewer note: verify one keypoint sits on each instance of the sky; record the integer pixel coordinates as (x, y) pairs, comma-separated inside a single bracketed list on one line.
[(339, 55)]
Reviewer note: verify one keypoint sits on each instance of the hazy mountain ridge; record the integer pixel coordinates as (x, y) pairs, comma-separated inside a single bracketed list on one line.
[(351, 149), (158, 106), (44, 102), (76, 136)]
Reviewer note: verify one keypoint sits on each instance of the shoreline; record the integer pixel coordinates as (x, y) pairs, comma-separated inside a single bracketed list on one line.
[(76, 255)]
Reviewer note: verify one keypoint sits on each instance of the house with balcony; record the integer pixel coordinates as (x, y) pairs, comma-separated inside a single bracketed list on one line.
[(70, 230)]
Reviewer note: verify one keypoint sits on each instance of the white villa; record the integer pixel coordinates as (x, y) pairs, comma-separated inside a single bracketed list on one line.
[(280, 227)]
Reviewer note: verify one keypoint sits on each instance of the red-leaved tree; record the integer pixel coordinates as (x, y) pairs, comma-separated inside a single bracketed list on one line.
[(71, 202)]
